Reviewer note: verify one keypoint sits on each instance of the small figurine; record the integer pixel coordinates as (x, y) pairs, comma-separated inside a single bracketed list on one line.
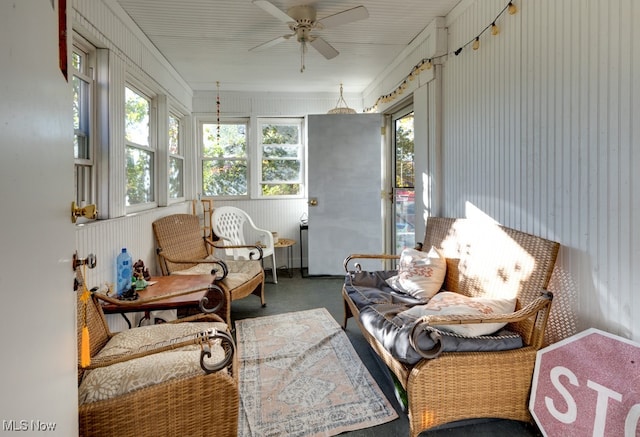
[(141, 275), (140, 268)]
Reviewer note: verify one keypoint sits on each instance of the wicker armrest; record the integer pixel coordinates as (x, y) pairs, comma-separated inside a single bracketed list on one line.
[(198, 318), (358, 267), (203, 338), (425, 322), (222, 266), (255, 251), (459, 319)]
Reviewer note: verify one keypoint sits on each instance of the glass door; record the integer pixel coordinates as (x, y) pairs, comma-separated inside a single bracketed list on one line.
[(403, 189)]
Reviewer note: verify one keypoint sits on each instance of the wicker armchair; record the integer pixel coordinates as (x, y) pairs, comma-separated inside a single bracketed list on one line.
[(182, 250), (462, 385), (204, 401)]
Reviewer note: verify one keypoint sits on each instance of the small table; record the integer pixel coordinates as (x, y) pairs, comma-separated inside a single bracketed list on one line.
[(288, 244), (163, 285)]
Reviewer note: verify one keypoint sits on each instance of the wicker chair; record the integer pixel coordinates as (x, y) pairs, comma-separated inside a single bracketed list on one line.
[(183, 250), (465, 385), (204, 402)]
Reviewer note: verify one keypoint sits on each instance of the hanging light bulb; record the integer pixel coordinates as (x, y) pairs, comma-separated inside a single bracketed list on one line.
[(511, 8), (494, 29), (429, 64), (476, 43)]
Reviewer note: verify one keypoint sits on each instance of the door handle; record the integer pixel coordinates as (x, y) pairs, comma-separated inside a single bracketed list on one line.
[(313, 202)]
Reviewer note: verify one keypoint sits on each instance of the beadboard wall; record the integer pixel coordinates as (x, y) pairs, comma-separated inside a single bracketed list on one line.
[(540, 133)]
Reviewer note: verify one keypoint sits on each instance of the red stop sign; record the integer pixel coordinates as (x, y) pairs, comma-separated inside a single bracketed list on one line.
[(588, 385)]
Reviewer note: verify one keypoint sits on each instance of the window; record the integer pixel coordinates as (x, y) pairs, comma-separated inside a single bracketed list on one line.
[(176, 160), (281, 156), (83, 148), (224, 158), (140, 156)]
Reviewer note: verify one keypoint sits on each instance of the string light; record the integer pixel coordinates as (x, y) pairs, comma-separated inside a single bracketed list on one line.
[(427, 63)]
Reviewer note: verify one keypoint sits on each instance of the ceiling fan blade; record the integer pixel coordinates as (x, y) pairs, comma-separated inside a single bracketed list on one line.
[(271, 43), (324, 48), (270, 8), (344, 17)]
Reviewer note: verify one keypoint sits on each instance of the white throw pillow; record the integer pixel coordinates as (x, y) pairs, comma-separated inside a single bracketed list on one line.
[(420, 274), (448, 302)]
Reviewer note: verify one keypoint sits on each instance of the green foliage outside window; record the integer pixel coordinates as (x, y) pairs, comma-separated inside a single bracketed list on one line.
[(176, 177), (139, 176), (224, 165), (176, 162), (405, 172), (139, 158), (281, 164)]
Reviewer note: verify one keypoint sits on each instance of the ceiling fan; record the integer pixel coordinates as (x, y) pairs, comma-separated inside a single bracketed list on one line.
[(302, 22)]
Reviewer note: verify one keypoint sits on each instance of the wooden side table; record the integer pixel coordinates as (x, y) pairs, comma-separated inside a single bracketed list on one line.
[(165, 285), (286, 243)]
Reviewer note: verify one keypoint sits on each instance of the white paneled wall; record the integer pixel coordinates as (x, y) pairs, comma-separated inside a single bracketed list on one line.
[(541, 129), (107, 25)]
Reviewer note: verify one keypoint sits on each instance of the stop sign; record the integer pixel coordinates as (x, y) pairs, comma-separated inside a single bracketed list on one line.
[(588, 385)]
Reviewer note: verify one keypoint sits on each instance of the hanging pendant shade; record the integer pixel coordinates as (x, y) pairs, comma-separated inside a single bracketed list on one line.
[(341, 106)]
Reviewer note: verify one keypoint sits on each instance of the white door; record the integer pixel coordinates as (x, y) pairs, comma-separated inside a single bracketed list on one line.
[(345, 186), (38, 381)]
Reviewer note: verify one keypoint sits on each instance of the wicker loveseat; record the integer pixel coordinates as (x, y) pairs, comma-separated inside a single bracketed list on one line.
[(457, 377), (178, 378)]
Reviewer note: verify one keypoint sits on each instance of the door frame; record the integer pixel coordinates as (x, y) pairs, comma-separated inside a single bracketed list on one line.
[(397, 113)]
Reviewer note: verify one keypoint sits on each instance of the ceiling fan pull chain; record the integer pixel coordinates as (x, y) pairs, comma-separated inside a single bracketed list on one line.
[(303, 47)]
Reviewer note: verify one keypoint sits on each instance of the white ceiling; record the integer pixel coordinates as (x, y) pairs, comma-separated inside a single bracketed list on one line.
[(209, 40)]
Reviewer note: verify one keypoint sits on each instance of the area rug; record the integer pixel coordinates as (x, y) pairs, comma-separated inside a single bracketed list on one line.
[(300, 376)]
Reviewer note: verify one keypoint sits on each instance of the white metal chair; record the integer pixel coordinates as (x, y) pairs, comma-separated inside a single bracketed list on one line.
[(235, 226)]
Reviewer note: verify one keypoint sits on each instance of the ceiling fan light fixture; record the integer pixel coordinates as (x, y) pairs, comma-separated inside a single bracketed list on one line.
[(301, 20), (341, 106)]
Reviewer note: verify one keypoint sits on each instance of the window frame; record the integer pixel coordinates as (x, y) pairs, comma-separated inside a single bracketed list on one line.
[(201, 158), (151, 148), (86, 74), (300, 122)]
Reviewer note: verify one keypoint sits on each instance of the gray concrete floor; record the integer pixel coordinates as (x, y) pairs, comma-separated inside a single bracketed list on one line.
[(297, 293)]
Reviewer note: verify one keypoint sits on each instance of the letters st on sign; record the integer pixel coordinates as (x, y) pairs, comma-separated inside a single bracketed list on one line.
[(588, 384)]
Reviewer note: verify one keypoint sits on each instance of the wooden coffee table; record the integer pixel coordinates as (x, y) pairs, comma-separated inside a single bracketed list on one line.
[(160, 286)]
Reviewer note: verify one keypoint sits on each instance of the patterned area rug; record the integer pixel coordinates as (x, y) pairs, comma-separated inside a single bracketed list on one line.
[(300, 376)]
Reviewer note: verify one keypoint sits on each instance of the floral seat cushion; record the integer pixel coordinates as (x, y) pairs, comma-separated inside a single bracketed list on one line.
[(240, 271), (117, 379)]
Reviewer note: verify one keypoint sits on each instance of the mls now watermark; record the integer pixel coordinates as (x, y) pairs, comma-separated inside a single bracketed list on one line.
[(27, 425)]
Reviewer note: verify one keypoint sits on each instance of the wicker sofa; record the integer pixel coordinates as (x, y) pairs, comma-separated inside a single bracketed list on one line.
[(446, 376)]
